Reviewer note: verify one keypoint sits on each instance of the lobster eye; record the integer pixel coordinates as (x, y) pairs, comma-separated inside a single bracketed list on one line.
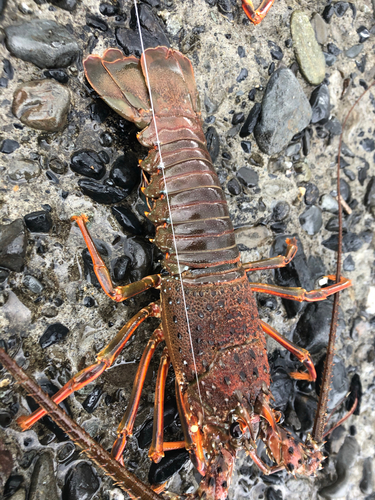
[(235, 430)]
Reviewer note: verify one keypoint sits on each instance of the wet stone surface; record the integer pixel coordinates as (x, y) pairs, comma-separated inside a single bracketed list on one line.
[(49, 280)]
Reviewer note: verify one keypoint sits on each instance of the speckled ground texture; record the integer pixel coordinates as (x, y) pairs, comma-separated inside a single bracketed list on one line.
[(211, 40)]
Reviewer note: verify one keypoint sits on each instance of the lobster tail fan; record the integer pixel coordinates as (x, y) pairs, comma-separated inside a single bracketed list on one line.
[(171, 81), (120, 83)]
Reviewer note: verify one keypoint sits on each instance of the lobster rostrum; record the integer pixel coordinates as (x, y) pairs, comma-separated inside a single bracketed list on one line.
[(214, 337)]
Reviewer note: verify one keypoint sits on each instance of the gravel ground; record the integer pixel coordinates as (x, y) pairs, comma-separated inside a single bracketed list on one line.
[(211, 40)]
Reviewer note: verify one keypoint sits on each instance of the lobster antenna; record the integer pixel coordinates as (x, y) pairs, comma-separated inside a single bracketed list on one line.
[(169, 207), (321, 411)]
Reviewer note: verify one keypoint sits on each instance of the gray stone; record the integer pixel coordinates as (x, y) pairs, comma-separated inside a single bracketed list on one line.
[(43, 484), (308, 52), (23, 170), (13, 242), (44, 43), (345, 459), (329, 204), (248, 177), (311, 220), (285, 112), (320, 28), (42, 104), (354, 51), (33, 284), (366, 482)]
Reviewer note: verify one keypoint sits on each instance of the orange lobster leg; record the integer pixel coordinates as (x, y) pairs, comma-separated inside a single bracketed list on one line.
[(118, 293), (105, 359), (125, 428), (274, 262), (156, 452), (263, 467), (257, 15), (301, 354), (300, 294)]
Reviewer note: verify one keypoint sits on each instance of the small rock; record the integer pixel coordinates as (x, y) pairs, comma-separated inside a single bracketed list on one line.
[(328, 12), (369, 200), (285, 112), (354, 51), (126, 218), (102, 193), (53, 334), (329, 204), (23, 170), (308, 52), (57, 166), (57, 74), (320, 104), (311, 220), (81, 483), (92, 400), (368, 144), (33, 284), (293, 149), (248, 177), (341, 8), (125, 172), (311, 194), (13, 243), (43, 43), (213, 143), (38, 222), (108, 9), (349, 264), (234, 187), (242, 76), (363, 33), (320, 28), (238, 118), (351, 242), (272, 494), (120, 267), (251, 120), (42, 104), (366, 481), (345, 459), (68, 5), (88, 163), (281, 211), (333, 126), (8, 146), (171, 463), (43, 482), (246, 146)]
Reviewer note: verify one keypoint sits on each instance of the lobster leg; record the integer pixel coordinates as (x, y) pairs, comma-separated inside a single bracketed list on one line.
[(274, 262), (257, 15), (125, 428), (105, 359), (300, 294), (156, 452), (301, 354), (118, 293)]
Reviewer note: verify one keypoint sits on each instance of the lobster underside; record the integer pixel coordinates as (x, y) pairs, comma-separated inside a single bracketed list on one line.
[(209, 320)]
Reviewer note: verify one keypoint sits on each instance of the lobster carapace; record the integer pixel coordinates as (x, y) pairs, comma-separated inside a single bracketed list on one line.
[(209, 320)]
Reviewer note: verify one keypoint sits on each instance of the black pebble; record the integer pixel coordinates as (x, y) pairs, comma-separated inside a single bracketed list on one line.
[(81, 483), (252, 94), (99, 111), (54, 333), (280, 211), (312, 194), (169, 465), (96, 23), (57, 74), (333, 49), (120, 267), (8, 69), (213, 143), (126, 218), (320, 104), (88, 302), (125, 172), (368, 144), (8, 146), (349, 264), (92, 400), (234, 187), (328, 13), (88, 163), (238, 118), (108, 9), (246, 146), (102, 193), (340, 8), (105, 139), (251, 120), (363, 33), (329, 58), (242, 76), (248, 177), (12, 485), (38, 222)]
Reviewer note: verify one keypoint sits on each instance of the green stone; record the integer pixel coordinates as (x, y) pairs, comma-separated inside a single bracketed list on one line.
[(308, 52)]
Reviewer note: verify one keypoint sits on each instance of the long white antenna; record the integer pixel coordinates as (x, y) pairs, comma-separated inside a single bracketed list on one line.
[(161, 165)]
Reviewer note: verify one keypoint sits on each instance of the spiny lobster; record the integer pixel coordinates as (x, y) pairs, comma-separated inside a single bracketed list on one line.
[(209, 320)]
